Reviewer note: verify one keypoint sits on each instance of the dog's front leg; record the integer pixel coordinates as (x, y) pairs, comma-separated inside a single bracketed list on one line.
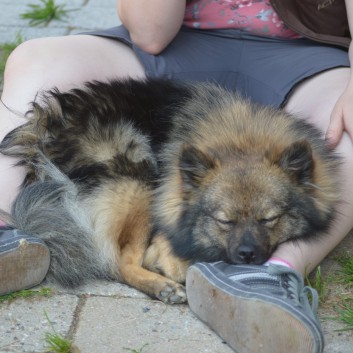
[(160, 258), (151, 283)]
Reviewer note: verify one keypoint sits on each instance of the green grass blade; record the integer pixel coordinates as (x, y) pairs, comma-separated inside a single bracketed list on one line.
[(5, 51), (345, 315), (57, 343), (26, 293), (45, 13)]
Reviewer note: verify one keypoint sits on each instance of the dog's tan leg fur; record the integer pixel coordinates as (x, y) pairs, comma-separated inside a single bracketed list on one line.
[(159, 257), (132, 242), (123, 232), (146, 281)]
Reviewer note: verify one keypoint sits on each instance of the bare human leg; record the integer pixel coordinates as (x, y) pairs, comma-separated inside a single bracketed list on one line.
[(314, 100)]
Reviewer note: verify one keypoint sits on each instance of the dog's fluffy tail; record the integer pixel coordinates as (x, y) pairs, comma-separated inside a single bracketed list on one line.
[(50, 209)]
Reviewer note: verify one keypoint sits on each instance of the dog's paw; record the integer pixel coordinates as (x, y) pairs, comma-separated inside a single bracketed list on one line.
[(172, 294)]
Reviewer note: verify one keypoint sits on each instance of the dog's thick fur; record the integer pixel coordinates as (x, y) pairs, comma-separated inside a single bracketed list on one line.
[(136, 180)]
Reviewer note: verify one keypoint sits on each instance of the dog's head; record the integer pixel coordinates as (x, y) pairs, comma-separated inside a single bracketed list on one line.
[(238, 207)]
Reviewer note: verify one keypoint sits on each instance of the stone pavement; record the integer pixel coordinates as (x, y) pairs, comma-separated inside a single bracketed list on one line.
[(106, 317), (86, 15)]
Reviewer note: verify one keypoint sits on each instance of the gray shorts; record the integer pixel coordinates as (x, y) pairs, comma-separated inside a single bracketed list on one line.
[(260, 68)]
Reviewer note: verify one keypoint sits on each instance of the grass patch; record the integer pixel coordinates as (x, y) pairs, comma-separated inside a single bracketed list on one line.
[(5, 51), (346, 270), (316, 281), (55, 342), (43, 14), (26, 293), (345, 314)]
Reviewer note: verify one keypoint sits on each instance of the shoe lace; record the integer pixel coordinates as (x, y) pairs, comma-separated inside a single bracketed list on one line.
[(293, 282)]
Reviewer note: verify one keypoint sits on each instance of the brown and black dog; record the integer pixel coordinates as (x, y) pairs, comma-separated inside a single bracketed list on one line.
[(136, 180)]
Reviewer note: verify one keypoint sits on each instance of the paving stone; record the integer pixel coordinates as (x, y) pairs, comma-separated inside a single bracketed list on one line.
[(336, 340), (103, 288), (116, 325), (97, 15), (23, 322), (86, 15)]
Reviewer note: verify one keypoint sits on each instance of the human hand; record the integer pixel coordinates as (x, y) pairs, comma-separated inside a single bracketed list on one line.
[(341, 119)]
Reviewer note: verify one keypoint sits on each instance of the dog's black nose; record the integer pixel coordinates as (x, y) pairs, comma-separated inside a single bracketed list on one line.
[(246, 254)]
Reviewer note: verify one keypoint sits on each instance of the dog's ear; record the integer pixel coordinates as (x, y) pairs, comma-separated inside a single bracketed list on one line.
[(194, 165), (297, 161)]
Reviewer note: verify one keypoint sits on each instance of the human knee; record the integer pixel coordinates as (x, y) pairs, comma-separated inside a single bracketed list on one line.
[(314, 99), (25, 57)]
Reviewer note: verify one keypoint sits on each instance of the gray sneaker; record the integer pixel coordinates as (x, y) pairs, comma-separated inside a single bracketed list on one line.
[(256, 309), (24, 260)]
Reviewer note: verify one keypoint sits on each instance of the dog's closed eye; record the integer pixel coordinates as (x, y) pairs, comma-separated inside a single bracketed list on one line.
[(269, 221)]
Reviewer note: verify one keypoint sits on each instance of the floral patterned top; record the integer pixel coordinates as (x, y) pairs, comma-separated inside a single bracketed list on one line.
[(255, 16)]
